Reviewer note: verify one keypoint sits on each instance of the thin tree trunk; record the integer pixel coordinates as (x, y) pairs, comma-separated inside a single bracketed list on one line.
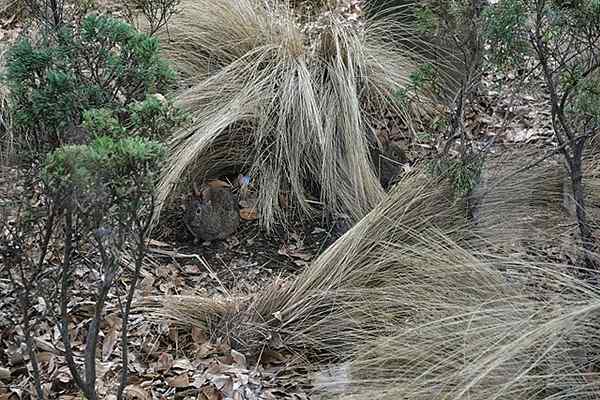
[(578, 189), (64, 299)]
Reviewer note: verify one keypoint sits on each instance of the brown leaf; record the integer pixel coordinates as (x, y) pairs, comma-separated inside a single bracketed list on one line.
[(179, 381), (217, 184), (4, 374), (210, 392), (165, 362), (108, 345), (248, 214), (224, 383), (238, 358), (137, 392)]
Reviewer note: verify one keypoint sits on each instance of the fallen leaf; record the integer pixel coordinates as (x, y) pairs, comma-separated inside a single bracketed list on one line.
[(216, 183), (205, 350), (183, 364), (137, 392), (211, 393), (224, 383), (63, 375), (165, 362), (179, 381), (199, 381), (238, 358), (108, 345), (248, 214)]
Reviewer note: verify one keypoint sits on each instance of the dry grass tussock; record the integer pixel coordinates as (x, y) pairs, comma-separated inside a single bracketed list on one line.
[(344, 296), (419, 304), (509, 341), (320, 310), (290, 97), (515, 209)]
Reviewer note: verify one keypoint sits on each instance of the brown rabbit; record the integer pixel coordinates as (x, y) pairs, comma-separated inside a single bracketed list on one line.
[(212, 212), (388, 161)]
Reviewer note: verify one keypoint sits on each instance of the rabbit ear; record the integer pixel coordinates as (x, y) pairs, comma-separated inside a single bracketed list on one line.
[(197, 192)]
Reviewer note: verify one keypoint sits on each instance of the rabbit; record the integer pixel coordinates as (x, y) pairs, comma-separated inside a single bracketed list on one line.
[(388, 161), (212, 212)]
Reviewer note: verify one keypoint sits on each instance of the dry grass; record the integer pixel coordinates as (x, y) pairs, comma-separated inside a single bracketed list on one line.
[(310, 311), (477, 341), (516, 209), (420, 306), (290, 93)]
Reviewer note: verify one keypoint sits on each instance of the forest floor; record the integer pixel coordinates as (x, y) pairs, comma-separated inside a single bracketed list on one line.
[(171, 362)]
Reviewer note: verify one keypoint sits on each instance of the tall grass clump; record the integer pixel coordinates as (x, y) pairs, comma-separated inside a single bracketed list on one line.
[(324, 311), (513, 341), (289, 94), (415, 302), (521, 202)]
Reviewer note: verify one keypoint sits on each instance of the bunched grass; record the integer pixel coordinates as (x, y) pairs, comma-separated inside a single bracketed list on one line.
[(291, 97), (417, 302)]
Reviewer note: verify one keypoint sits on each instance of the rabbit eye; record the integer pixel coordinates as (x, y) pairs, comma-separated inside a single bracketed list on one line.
[(198, 211)]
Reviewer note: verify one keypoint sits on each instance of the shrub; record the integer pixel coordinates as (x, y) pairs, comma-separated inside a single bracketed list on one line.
[(100, 200), (60, 81), (563, 38)]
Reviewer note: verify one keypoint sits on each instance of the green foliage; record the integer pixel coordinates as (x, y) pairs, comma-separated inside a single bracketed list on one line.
[(106, 156), (427, 21), (422, 79), (99, 122), (155, 116), (504, 30), (566, 34), (587, 101), (464, 174), (82, 75), (115, 166), (157, 12)]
